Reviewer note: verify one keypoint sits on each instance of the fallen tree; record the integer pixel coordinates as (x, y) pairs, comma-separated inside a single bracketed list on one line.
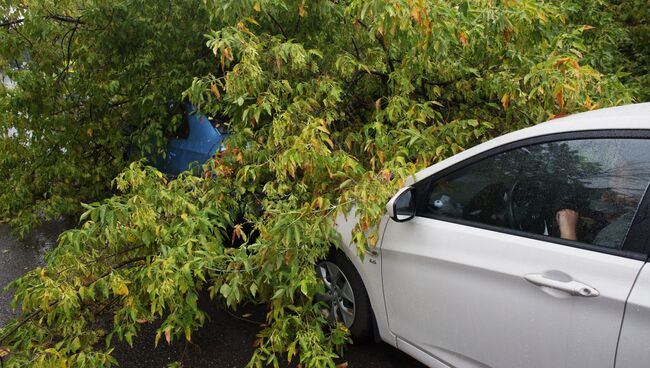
[(330, 105)]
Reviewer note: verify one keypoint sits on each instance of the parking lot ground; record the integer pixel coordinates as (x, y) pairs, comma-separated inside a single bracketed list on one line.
[(227, 341)]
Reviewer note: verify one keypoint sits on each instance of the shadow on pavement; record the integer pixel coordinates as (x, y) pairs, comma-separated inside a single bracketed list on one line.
[(227, 341)]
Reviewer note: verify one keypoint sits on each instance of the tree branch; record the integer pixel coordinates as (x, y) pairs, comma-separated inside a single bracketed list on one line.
[(85, 284), (118, 266), (68, 55), (277, 24), (380, 38), (356, 49), (64, 19), (60, 18), (10, 23), (357, 76)]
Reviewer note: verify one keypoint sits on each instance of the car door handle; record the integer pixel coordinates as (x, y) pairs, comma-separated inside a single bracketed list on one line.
[(572, 287)]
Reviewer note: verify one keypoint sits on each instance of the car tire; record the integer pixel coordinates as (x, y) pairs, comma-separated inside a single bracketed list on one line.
[(360, 323)]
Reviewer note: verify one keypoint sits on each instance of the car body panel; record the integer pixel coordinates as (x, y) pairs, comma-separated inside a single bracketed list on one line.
[(369, 268), (202, 142), (634, 344), (420, 355)]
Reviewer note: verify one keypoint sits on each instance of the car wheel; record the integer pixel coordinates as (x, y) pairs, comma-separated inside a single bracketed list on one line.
[(346, 299)]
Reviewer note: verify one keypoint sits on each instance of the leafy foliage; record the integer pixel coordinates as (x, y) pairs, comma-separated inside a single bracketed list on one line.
[(92, 78), (331, 106)]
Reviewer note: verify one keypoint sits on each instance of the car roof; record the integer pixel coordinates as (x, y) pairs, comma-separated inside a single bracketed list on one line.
[(636, 116)]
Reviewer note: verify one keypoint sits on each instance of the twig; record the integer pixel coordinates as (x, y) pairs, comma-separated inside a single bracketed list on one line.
[(31, 44), (277, 24), (295, 28), (118, 266), (356, 49), (380, 38), (64, 19), (227, 310), (20, 324), (10, 23), (68, 56), (102, 258)]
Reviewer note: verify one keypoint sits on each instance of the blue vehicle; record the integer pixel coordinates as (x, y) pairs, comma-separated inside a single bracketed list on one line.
[(195, 141)]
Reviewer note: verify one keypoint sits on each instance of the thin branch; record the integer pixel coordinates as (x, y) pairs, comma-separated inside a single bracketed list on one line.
[(20, 324), (102, 258), (60, 18), (380, 38), (277, 24), (356, 49), (10, 23), (64, 19), (31, 44), (295, 28), (69, 56), (361, 23), (118, 104), (357, 76), (120, 265)]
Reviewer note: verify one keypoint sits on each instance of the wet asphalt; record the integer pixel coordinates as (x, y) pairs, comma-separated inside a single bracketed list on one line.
[(226, 341)]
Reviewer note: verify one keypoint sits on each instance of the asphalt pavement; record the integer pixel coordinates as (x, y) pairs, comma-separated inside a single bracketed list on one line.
[(226, 341)]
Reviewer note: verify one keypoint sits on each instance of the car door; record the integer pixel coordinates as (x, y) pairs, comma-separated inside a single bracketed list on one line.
[(482, 275), (634, 341)]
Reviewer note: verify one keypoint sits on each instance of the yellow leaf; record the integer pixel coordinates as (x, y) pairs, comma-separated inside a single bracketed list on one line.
[(257, 7), (122, 290), (215, 91), (184, 216), (559, 98), (505, 101), (168, 335), (301, 10), (372, 239), (416, 13), (227, 54), (463, 38)]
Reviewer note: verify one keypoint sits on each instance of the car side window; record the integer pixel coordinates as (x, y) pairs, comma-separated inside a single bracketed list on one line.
[(586, 190)]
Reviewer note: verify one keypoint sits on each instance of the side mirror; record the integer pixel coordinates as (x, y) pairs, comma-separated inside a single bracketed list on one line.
[(401, 207)]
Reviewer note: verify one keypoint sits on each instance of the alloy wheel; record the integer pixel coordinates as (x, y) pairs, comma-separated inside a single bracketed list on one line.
[(339, 297)]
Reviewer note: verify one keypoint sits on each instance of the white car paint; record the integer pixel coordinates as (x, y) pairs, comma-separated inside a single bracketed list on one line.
[(466, 277)]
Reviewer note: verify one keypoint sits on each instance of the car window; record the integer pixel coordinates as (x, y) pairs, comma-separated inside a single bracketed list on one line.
[(586, 190)]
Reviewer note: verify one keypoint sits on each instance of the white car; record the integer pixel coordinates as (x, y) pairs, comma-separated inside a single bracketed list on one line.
[(528, 250)]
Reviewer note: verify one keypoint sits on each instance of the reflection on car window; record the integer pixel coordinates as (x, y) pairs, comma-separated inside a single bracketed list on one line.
[(586, 190)]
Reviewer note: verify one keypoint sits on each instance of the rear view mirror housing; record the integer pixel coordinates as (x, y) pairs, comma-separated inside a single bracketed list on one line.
[(401, 207)]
